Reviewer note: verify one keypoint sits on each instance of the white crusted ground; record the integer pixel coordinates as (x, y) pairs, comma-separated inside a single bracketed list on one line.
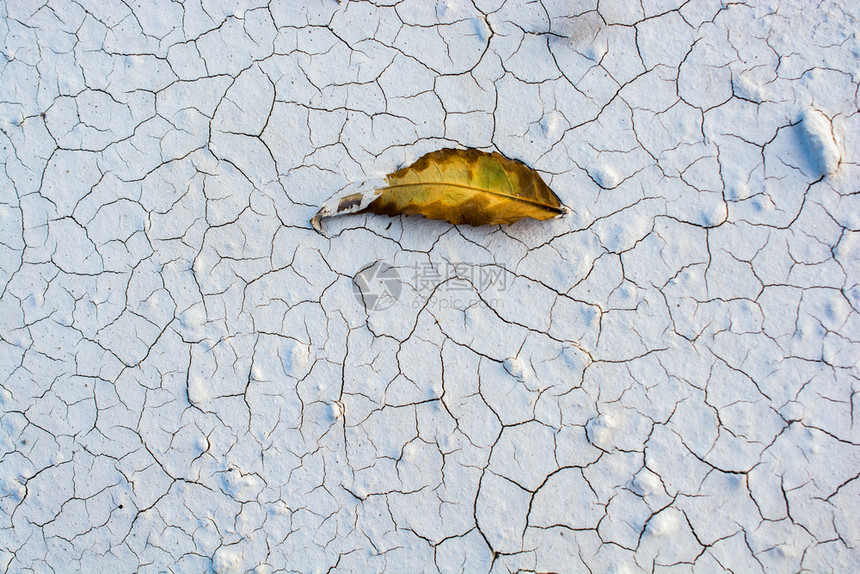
[(665, 380)]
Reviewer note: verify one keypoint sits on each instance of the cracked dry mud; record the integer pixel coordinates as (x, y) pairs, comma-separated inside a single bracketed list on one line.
[(665, 380)]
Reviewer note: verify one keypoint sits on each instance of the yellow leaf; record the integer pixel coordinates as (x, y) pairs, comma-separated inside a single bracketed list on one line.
[(457, 186)]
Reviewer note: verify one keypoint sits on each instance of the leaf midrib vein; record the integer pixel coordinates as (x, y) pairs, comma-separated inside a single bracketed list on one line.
[(472, 187)]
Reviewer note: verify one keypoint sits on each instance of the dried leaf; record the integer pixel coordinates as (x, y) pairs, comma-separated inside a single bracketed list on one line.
[(457, 186)]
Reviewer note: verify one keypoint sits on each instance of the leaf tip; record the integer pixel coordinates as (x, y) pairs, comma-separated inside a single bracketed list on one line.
[(316, 222), (351, 203)]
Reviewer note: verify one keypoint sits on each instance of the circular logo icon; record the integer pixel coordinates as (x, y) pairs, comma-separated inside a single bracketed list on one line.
[(377, 286)]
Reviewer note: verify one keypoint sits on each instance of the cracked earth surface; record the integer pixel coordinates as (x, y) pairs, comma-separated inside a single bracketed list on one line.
[(665, 380)]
